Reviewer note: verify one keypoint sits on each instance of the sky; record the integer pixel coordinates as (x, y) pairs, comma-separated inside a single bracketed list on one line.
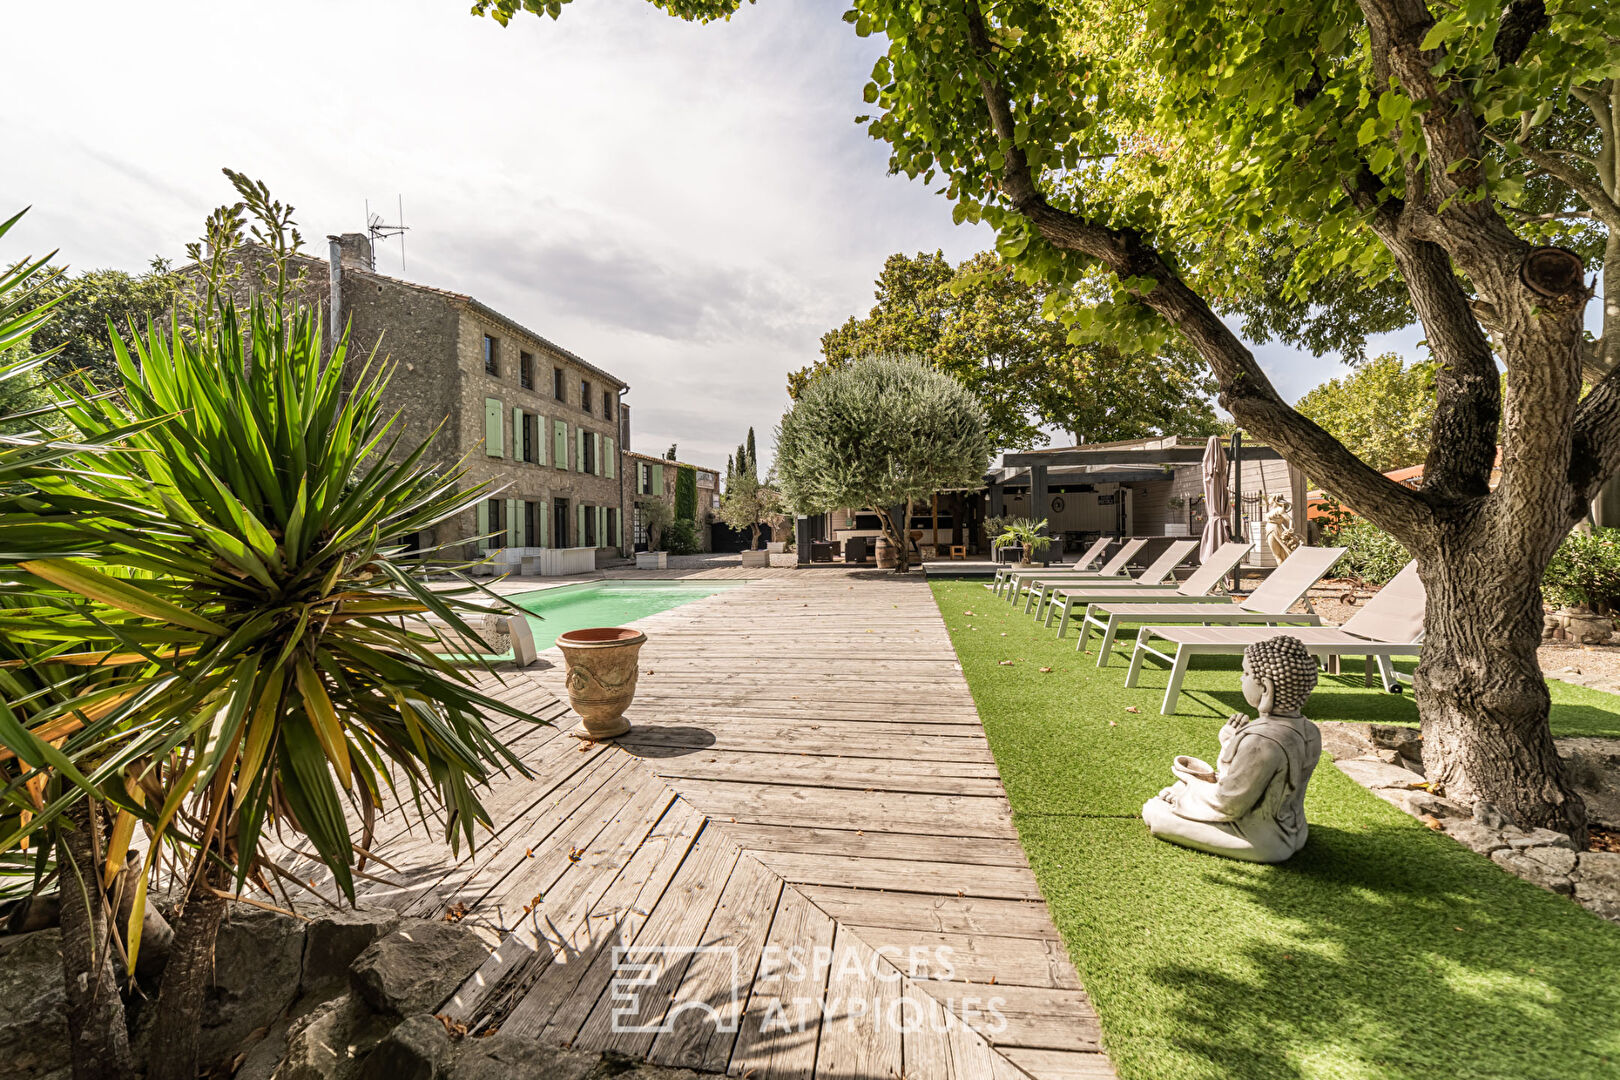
[(687, 207)]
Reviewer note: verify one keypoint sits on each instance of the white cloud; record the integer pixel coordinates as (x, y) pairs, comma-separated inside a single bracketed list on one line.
[(689, 207)]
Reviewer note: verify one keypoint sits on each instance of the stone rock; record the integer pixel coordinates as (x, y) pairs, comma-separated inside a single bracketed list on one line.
[(257, 960), (1375, 774), (33, 1007), (415, 968), (1592, 767), (1541, 838), (1476, 837), (417, 1049), (1599, 870), (510, 1057), (1419, 803), (1605, 909), (1488, 815), (1548, 867), (330, 1042), (333, 941)]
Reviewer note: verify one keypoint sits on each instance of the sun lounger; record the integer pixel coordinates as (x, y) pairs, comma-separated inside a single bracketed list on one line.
[(1154, 573), (1391, 624), (1113, 568), (1267, 606), (1091, 555), (1200, 585)]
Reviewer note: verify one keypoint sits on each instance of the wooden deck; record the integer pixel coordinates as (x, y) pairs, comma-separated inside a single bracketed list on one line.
[(807, 794)]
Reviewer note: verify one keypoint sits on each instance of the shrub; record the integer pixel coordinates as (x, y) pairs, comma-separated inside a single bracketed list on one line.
[(686, 493), (1585, 570), (1373, 555), (680, 537)]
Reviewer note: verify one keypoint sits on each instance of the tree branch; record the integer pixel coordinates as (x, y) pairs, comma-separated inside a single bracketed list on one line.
[(1244, 389), (1522, 20), (1591, 191)]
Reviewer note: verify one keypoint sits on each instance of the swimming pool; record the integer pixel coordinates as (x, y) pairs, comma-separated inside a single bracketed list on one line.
[(607, 603)]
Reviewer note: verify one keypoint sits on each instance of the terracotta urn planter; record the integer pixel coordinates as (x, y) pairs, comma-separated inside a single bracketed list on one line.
[(601, 677)]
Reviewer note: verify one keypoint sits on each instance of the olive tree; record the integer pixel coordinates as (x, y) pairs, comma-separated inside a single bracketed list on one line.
[(881, 433), (1146, 156)]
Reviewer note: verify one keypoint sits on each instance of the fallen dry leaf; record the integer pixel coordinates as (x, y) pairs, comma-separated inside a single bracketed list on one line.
[(1132, 708), (1112, 723), (575, 853), (969, 613), (1005, 663), (1044, 670), (1432, 822)]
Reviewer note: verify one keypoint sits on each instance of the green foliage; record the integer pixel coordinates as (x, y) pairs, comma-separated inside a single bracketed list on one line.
[(986, 328), (1343, 962), (747, 503), (680, 537), (1371, 554), (1021, 532), (686, 493), (1585, 570), (657, 512), (78, 338), (1382, 411), (230, 588)]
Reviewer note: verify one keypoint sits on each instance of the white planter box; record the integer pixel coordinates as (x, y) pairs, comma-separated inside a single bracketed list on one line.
[(756, 558), (776, 547), (652, 560)]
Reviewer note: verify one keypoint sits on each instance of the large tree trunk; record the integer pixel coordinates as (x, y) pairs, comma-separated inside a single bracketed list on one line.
[(95, 1012), (1480, 690), (186, 979)]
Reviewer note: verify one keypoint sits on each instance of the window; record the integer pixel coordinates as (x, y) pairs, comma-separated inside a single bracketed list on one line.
[(588, 450), (494, 522), (607, 405), (531, 438), (533, 523), (557, 388), (525, 371), (585, 394), (590, 526), (610, 527), (492, 363), (638, 535)]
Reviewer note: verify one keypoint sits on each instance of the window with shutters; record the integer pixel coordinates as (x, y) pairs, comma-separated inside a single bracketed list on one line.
[(559, 444), (492, 362), (588, 464), (590, 526), (533, 524), (609, 459), (585, 394), (528, 440), (610, 535), (525, 371), (497, 523)]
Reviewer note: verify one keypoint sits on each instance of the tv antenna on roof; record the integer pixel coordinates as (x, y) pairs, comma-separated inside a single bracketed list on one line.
[(378, 230)]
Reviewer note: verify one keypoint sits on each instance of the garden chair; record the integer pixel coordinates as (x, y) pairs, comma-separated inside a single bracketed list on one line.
[(1200, 585), (1268, 605), (1089, 556), (1154, 574), (1391, 624), (1113, 568)]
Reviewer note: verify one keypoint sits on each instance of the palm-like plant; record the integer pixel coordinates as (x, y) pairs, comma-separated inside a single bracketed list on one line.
[(1022, 532), (243, 573)]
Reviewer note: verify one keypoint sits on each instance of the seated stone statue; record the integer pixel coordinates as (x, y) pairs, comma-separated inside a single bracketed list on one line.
[(1250, 805)]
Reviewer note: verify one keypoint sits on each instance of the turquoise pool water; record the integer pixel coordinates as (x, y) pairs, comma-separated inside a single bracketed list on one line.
[(607, 603)]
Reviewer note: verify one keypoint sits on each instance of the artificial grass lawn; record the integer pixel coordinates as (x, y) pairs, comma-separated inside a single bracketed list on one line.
[(1381, 950)]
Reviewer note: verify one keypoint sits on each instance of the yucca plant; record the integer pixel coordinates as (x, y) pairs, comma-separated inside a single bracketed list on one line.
[(1022, 532), (251, 585)]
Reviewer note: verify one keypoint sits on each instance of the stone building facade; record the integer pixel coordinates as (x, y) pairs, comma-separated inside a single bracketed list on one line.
[(540, 425), (652, 477)]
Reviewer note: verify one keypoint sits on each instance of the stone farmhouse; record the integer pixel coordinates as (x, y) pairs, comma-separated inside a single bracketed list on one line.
[(653, 477)]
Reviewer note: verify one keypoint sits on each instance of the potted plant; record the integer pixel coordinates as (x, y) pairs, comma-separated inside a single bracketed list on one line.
[(656, 514), (1024, 534), (601, 677), (1174, 527)]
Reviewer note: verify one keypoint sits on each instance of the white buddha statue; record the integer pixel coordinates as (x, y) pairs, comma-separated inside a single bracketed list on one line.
[(1250, 804)]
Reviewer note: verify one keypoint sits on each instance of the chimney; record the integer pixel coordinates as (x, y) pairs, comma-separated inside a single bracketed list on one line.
[(356, 250)]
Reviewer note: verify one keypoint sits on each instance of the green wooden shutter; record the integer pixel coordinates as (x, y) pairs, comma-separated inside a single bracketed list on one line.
[(609, 462), (483, 524), (658, 480), (540, 440), (579, 449), (517, 433), (513, 526), (579, 524), (599, 465), (601, 528), (559, 444), (618, 529), (493, 423)]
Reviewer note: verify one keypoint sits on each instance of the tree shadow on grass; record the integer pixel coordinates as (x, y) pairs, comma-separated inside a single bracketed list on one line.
[(1401, 954)]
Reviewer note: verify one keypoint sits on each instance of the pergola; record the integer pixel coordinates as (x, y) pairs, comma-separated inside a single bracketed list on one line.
[(1111, 462)]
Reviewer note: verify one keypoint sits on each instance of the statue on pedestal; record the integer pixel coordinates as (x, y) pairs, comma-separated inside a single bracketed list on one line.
[(1250, 804)]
